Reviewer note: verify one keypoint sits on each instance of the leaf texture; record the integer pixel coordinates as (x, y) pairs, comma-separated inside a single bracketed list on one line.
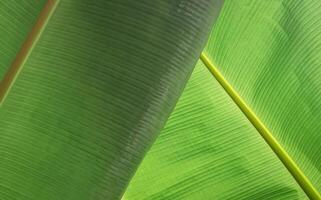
[(94, 92), (270, 52), (209, 150), (17, 18), (104, 76)]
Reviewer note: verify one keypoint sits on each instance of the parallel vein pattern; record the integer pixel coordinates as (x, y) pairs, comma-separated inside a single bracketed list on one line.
[(297, 173), (14, 69), (269, 51), (209, 150), (94, 93), (16, 21)]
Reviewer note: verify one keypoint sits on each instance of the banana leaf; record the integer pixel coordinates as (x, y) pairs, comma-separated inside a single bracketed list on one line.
[(209, 150), (266, 56), (17, 19), (277, 71), (101, 78), (86, 88)]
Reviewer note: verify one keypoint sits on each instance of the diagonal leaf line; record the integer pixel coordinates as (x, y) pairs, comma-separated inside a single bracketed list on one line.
[(286, 159), (26, 48)]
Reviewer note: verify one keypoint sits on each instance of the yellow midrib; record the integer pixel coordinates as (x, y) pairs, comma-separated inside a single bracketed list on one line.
[(286, 159), (26, 49), (289, 163)]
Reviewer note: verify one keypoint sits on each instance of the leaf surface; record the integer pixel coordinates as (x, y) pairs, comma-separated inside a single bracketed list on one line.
[(267, 51), (209, 150), (17, 19), (272, 58), (93, 92)]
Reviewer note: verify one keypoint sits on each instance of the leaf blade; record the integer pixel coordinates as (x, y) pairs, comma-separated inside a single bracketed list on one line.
[(209, 150), (93, 94), (269, 48)]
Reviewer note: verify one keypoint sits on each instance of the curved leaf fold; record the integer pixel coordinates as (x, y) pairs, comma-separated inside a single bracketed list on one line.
[(209, 150), (268, 52), (94, 92)]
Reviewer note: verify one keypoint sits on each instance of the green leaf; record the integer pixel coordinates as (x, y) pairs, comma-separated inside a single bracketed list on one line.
[(96, 83), (100, 79), (209, 150), (17, 19), (265, 54), (276, 70)]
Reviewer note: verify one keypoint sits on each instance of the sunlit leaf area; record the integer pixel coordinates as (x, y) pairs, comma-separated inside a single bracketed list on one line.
[(160, 100)]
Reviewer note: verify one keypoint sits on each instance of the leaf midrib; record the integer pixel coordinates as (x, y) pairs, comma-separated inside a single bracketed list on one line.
[(26, 48), (277, 148)]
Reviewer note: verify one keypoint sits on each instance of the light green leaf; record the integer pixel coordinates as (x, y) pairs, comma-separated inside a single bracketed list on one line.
[(209, 150), (101, 77), (265, 54), (273, 60)]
